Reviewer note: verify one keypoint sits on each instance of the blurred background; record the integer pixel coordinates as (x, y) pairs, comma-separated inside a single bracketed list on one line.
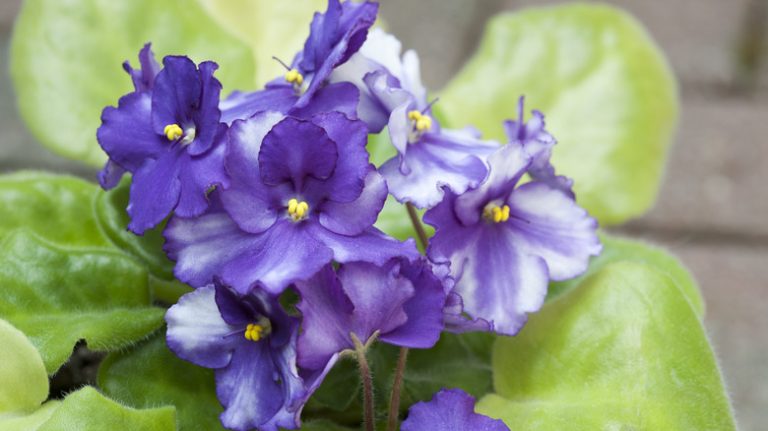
[(712, 211)]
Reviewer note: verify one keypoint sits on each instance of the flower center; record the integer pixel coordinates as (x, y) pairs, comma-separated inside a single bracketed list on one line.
[(257, 331), (298, 210), (420, 124), (174, 132), (497, 214), (294, 77)]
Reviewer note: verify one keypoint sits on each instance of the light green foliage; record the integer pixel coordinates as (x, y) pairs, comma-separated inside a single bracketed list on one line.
[(24, 386), (59, 296), (151, 375), (620, 249), (88, 410), (624, 350), (66, 58), (607, 92)]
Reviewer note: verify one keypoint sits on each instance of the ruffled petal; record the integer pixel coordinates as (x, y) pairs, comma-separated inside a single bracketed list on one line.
[(126, 133), (449, 410), (253, 389), (354, 217), (548, 223), (144, 78), (340, 97), (197, 332), (241, 106), (207, 115), (450, 158), (154, 192), (253, 205), (109, 177), (371, 245), (199, 176), (326, 311), (176, 94), (295, 149)]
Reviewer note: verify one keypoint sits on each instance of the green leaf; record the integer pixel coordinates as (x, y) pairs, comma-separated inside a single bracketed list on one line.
[(66, 59), (151, 375), (623, 350), (620, 249), (59, 296), (23, 380), (55, 207), (268, 28), (609, 96), (88, 410)]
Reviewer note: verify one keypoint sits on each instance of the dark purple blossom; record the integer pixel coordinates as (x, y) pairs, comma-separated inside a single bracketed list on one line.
[(305, 90), (538, 144), (250, 342), (449, 410), (302, 194), (169, 138), (399, 303), (506, 241)]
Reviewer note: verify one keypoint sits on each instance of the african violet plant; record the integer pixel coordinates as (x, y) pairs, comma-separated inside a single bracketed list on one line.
[(240, 264)]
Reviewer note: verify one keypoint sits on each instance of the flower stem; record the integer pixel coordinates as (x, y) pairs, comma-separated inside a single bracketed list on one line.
[(365, 376), (416, 221), (397, 386)]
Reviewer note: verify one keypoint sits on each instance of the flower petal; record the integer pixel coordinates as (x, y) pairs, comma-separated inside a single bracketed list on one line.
[(207, 115), (154, 192), (126, 133), (548, 223), (371, 245), (449, 410), (197, 332), (176, 94), (354, 217), (198, 176)]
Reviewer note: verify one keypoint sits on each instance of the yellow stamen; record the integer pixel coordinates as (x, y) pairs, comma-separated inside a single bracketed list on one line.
[(294, 77), (424, 123), (298, 210), (253, 332), (173, 132), (414, 115), (496, 213)]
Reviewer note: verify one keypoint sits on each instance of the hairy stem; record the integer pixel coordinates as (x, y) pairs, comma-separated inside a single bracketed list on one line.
[(365, 376), (397, 386), (416, 221)]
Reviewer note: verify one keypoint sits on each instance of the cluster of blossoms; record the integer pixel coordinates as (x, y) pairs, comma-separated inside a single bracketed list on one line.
[(272, 191)]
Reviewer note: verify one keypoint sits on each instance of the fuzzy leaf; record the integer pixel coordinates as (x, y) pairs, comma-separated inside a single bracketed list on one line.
[(23, 381), (623, 350), (58, 296)]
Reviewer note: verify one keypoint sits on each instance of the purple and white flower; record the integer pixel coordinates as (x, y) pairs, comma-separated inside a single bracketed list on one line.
[(449, 410), (505, 241), (250, 342), (305, 90), (302, 194), (399, 303), (168, 135)]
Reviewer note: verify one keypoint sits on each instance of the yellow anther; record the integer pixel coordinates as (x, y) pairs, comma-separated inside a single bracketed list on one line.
[(424, 123), (294, 77), (253, 332), (496, 213), (173, 132), (298, 210), (414, 115)]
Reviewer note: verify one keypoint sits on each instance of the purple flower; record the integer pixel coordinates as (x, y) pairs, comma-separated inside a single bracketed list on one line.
[(538, 144), (302, 194), (399, 303), (449, 410), (170, 138), (251, 343), (304, 90), (428, 157), (505, 241)]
